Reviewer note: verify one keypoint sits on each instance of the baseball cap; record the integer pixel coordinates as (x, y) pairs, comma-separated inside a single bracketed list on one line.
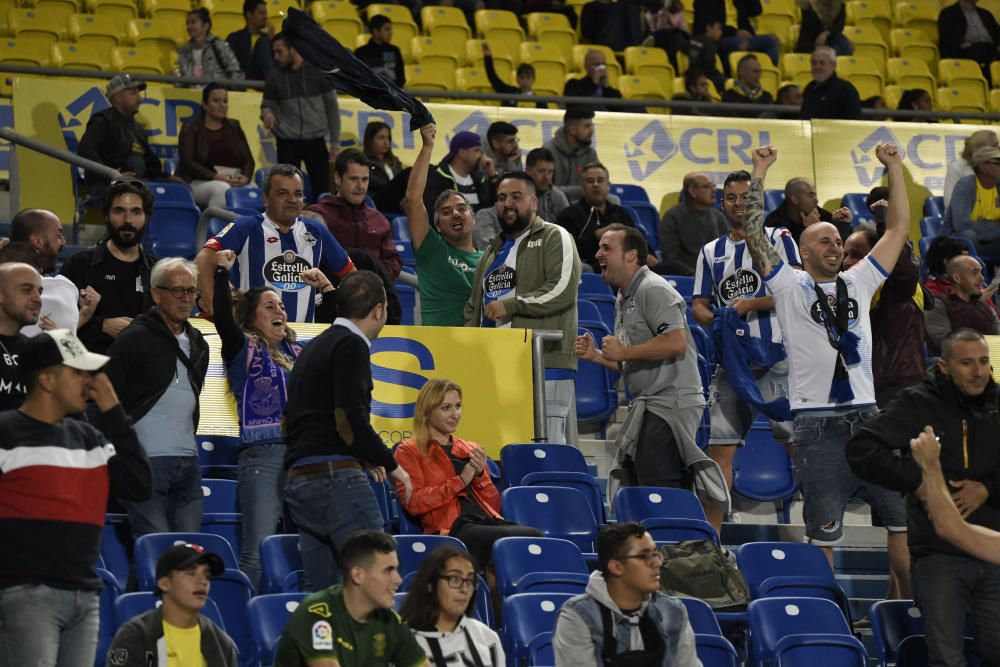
[(463, 139), (184, 555), (985, 154), (58, 346), (123, 82)]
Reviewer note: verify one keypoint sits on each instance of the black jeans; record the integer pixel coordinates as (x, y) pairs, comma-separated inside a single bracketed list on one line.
[(316, 157), (657, 460)]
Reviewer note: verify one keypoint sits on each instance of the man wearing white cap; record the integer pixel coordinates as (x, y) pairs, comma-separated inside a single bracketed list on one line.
[(55, 477)]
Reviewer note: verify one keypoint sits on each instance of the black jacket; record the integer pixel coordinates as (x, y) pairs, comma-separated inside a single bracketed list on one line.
[(584, 87), (93, 267), (834, 98), (136, 643), (812, 26), (439, 179), (582, 221), (880, 452), (386, 59), (952, 26), (144, 363), (707, 12), (109, 139), (780, 217), (255, 61)]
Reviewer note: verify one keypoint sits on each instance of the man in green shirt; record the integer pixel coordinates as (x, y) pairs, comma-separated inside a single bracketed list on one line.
[(354, 625), (446, 257)]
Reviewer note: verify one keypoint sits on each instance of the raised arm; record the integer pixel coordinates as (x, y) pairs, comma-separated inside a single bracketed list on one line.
[(897, 219), (413, 203), (763, 253)]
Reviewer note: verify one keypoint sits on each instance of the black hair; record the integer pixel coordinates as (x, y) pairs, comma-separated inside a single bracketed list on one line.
[(371, 129), (421, 607), (525, 69), (518, 175), (633, 239), (208, 90), (576, 112), (351, 155), (26, 223), (202, 14), (784, 89), (358, 294), (739, 176), (940, 251), (877, 193), (595, 165), (612, 541), (251, 5), (536, 155), (500, 128), (361, 547), (23, 252), (281, 37), (286, 170), (691, 77), (376, 22), (909, 98), (118, 188)]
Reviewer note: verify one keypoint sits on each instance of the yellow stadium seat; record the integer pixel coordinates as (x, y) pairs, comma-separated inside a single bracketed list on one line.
[(919, 15), (781, 8), (643, 88), (795, 67), (120, 11), (164, 34), (875, 13), (228, 6), (649, 61), (792, 37), (908, 73), (995, 101), (869, 43), (863, 74), (963, 74), (953, 99), (78, 56), (344, 32), (552, 28), (498, 25), (224, 23), (31, 27), (992, 6), (435, 76), (777, 25), (445, 23), (914, 45), (57, 10), (547, 60), (331, 9), (175, 10), (137, 60), (404, 28), (29, 54), (93, 30), (548, 82), (474, 80), (580, 52), (428, 50), (893, 94), (503, 62)]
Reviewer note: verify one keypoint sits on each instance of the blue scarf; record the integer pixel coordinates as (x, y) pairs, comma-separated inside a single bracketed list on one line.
[(264, 393), (841, 339)]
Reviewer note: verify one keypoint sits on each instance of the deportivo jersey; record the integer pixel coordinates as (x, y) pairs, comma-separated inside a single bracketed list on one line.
[(500, 280), (725, 271), (267, 256)]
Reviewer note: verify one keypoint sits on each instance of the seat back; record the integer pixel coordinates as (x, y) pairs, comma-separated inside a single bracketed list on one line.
[(516, 557), (635, 503), (220, 496), (592, 283), (245, 197), (930, 226), (149, 548), (701, 617), (526, 615), (913, 652), (279, 557), (762, 470), (759, 561), (683, 284), (267, 616), (172, 229), (556, 511), (715, 651), (130, 605), (774, 619), (116, 545), (106, 615), (412, 549), (628, 192), (517, 460), (581, 481), (892, 622), (647, 220)]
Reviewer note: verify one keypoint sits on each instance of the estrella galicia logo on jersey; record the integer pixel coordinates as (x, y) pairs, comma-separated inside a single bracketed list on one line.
[(817, 313), (500, 281), (742, 283), (285, 271), (649, 149)]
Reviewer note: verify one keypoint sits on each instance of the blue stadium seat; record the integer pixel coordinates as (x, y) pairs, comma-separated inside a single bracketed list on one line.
[(400, 228), (627, 192), (116, 547), (405, 250), (644, 223), (106, 620), (412, 549), (912, 652), (934, 205), (855, 203), (556, 511), (716, 651), (517, 460), (683, 284), (802, 631), (526, 615), (583, 482), (407, 301), (596, 400), (408, 524), (892, 622), (381, 493), (245, 197), (221, 515), (635, 503), (279, 558), (606, 307), (532, 564), (773, 199), (593, 283), (587, 309), (216, 225), (267, 616), (170, 193), (172, 229), (540, 650), (149, 548), (930, 226), (130, 605), (701, 617), (219, 456), (762, 471)]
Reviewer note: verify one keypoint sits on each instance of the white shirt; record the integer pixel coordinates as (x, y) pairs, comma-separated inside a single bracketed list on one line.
[(455, 646), (811, 358), (60, 303)]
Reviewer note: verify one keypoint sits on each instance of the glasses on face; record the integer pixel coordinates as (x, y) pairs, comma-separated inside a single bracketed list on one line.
[(180, 292), (650, 558), (134, 183), (458, 581)]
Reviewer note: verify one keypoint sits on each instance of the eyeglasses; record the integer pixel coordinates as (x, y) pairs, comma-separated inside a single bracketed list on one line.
[(457, 581), (180, 292), (648, 557), (134, 183)]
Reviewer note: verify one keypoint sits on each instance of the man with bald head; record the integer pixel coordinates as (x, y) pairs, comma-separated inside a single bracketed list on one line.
[(801, 208), (963, 306), (594, 83), (20, 305), (689, 225), (824, 316)]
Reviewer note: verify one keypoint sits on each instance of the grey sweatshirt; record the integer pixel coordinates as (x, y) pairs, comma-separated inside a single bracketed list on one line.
[(305, 103)]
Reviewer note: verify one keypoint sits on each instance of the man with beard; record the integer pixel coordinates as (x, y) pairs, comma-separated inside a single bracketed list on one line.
[(589, 218), (572, 147), (464, 169), (63, 305), (118, 267), (20, 305), (963, 307), (529, 278)]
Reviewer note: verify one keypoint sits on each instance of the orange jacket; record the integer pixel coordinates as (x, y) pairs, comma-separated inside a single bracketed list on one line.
[(436, 486)]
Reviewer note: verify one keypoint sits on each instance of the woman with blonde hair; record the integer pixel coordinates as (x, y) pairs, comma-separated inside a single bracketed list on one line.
[(962, 165)]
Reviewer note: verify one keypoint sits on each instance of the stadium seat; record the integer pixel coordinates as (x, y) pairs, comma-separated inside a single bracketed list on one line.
[(892, 622), (537, 564), (556, 511), (716, 651), (919, 16), (644, 88), (606, 308), (503, 61), (163, 35), (78, 56), (119, 11), (517, 460), (279, 558), (405, 250), (770, 75), (596, 397), (526, 615), (428, 51), (647, 219), (110, 590), (915, 45), (174, 11), (893, 94), (930, 226), (580, 52), (773, 199), (955, 99), (795, 67), (801, 631), (863, 73), (381, 493), (447, 23), (344, 31), (221, 514), (130, 605), (911, 73), (630, 193), (855, 203), (773, 569), (474, 80), (92, 30), (870, 43), (934, 205), (582, 482), (964, 75), (546, 58), (498, 25), (587, 310), (912, 652), (540, 651), (172, 229), (412, 549), (683, 284), (267, 616), (876, 13), (149, 548), (994, 100), (225, 23), (701, 617), (554, 29), (245, 197), (29, 26), (404, 28), (218, 455), (592, 283), (432, 76), (277, 9), (670, 515), (777, 16), (137, 60), (56, 10), (116, 544), (762, 471)]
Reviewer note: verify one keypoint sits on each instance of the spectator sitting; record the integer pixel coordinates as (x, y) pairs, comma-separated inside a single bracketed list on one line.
[(827, 95), (962, 165), (183, 580), (703, 54), (942, 249), (252, 44), (739, 36), (801, 209), (695, 90), (525, 75), (823, 25), (965, 305), (572, 147), (968, 31), (916, 99), (690, 224), (789, 95), (380, 54), (464, 169), (206, 56), (502, 146), (974, 211), (746, 88), (594, 83), (385, 166), (214, 154), (876, 102), (614, 24), (668, 30)]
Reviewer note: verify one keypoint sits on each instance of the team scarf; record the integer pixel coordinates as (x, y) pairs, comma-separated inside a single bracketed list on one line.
[(265, 392), (841, 339)]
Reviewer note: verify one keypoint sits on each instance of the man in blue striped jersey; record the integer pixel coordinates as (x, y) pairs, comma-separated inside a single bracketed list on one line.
[(727, 277), (276, 248)]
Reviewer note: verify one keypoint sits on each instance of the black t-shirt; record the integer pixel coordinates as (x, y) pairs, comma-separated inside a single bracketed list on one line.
[(12, 389), (127, 287)]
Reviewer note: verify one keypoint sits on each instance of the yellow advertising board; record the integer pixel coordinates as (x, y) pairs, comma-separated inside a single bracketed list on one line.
[(493, 367)]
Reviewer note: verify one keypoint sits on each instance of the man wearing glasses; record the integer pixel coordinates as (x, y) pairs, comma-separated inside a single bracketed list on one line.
[(623, 613), (158, 365)]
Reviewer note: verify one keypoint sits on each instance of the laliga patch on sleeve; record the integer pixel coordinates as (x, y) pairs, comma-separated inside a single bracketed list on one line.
[(322, 636), (662, 329)]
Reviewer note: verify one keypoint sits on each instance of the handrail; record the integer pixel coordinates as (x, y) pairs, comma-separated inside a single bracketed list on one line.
[(59, 154), (719, 108), (538, 337)]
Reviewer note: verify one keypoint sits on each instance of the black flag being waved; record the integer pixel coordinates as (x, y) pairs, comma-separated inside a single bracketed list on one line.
[(346, 72)]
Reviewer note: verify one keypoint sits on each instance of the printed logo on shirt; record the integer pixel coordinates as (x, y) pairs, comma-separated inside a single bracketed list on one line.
[(817, 313), (743, 282), (663, 328), (320, 609), (631, 306), (379, 644), (308, 237), (271, 239), (500, 281), (322, 636), (537, 243), (224, 231), (285, 271), (461, 266), (118, 656)]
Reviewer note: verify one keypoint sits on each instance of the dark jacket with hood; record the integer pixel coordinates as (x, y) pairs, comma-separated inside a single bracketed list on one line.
[(440, 179), (144, 362), (140, 643), (968, 428), (569, 162)]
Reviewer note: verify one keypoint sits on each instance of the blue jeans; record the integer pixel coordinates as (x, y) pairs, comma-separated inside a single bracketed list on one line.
[(42, 626), (261, 480), (177, 500), (949, 588), (828, 481), (328, 508)]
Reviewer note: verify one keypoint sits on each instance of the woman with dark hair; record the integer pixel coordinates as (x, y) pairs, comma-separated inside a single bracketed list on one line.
[(916, 99), (437, 608), (377, 147), (258, 350), (213, 151), (204, 55)]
